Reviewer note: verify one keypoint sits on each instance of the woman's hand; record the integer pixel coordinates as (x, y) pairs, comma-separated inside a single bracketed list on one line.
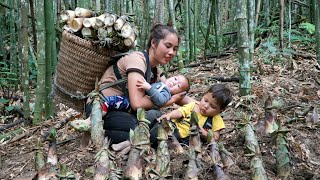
[(143, 84)]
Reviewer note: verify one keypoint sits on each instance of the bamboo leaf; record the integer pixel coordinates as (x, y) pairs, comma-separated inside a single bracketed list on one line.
[(315, 115)]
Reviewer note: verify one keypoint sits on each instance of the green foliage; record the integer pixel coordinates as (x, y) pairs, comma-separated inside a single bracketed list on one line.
[(310, 28), (7, 78)]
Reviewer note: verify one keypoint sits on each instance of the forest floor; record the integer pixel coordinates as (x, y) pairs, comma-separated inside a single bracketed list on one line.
[(295, 82)]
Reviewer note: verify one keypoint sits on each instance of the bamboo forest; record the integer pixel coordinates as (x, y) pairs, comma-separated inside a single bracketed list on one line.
[(63, 61)]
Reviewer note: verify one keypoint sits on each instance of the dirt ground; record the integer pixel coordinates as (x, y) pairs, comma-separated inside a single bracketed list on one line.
[(295, 82)]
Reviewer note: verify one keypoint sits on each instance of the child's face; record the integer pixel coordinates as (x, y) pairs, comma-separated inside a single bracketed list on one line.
[(177, 84), (209, 106)]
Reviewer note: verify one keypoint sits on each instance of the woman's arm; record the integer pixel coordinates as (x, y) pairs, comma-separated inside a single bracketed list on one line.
[(137, 96)]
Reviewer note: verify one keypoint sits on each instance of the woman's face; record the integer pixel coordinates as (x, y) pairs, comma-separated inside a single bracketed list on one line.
[(166, 49)]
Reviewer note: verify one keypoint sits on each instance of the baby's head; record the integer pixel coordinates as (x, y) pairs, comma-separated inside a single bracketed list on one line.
[(215, 100), (178, 84)]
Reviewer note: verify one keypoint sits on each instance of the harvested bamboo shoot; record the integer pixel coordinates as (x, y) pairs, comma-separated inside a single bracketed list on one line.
[(88, 33), (163, 155), (118, 24), (82, 12), (100, 20), (89, 22), (67, 15), (126, 30), (129, 41), (110, 19), (76, 24)]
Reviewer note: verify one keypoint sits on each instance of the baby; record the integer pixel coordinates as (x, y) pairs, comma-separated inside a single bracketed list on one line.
[(160, 94)]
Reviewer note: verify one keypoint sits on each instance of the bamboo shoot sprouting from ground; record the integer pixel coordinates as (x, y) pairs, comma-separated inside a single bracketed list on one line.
[(162, 170), (39, 159), (194, 149), (226, 156), (104, 163), (97, 132), (253, 150), (270, 117), (282, 155), (140, 140), (173, 142), (52, 151), (257, 169), (251, 142), (219, 174)]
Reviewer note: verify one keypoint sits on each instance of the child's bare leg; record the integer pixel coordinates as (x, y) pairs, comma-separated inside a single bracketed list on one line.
[(120, 146)]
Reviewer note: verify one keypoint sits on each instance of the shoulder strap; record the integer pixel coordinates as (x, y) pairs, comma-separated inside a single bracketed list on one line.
[(120, 81), (147, 75), (208, 123)]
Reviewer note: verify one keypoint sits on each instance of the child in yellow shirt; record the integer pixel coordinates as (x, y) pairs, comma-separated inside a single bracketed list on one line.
[(208, 110)]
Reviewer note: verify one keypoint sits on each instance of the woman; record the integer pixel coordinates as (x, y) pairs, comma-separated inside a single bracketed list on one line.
[(162, 47)]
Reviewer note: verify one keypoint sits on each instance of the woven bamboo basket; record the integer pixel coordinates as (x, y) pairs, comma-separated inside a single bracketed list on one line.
[(79, 64)]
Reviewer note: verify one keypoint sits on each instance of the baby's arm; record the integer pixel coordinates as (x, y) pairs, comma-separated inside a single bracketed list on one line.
[(143, 84)]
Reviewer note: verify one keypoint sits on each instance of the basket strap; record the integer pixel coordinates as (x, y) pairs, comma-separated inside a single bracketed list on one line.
[(104, 86), (80, 96)]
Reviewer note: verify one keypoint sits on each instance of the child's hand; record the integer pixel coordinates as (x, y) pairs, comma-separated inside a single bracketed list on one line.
[(143, 84), (164, 116), (202, 131)]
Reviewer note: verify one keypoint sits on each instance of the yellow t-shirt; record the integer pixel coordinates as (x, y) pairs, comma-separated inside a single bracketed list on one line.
[(183, 124)]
